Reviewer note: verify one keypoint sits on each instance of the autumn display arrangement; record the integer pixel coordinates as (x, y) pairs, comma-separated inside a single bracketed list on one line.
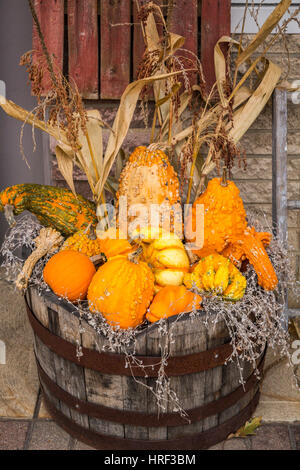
[(124, 278)]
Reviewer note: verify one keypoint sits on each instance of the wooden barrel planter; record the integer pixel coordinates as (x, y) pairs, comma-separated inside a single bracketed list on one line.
[(96, 399)]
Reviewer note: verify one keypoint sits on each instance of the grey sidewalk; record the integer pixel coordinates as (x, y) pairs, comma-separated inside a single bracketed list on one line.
[(43, 434)]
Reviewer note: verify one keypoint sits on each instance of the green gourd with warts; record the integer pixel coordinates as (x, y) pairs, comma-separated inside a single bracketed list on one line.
[(54, 207)]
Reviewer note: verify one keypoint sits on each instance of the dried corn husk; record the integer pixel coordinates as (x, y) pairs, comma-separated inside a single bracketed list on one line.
[(48, 241)]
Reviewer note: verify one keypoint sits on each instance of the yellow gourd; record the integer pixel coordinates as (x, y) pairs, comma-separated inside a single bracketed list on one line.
[(216, 274), (166, 255)]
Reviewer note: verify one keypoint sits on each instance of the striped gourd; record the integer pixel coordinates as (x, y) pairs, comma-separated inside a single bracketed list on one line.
[(54, 207)]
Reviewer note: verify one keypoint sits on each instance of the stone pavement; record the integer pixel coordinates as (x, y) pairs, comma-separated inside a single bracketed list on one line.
[(40, 433)]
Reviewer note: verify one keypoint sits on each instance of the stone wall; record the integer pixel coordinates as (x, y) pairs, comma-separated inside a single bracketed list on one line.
[(256, 182)]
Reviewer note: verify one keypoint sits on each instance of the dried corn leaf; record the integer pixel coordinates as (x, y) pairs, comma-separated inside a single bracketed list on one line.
[(175, 42), (220, 66), (264, 31), (92, 145), (254, 102), (151, 34), (211, 117), (21, 114), (244, 117), (122, 122), (89, 158), (153, 43), (286, 85), (65, 165)]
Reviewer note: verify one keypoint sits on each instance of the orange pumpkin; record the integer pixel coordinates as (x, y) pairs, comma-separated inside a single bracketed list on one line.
[(69, 274), (172, 300), (112, 243), (122, 290)]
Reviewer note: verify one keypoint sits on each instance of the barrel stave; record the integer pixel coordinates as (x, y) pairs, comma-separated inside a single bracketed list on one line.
[(189, 335)]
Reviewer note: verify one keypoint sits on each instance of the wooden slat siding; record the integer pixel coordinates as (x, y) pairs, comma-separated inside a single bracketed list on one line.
[(115, 48), (51, 17), (83, 46), (184, 21), (215, 22)]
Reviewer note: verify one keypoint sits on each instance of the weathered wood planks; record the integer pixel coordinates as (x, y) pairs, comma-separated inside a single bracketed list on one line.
[(126, 393), (138, 40), (105, 47), (51, 17), (115, 48), (83, 46), (215, 22)]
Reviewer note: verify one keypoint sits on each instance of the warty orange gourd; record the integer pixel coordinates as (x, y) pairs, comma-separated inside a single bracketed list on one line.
[(226, 230)]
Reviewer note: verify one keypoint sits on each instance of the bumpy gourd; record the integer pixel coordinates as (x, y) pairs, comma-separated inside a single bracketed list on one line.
[(85, 242), (149, 178), (69, 274), (226, 230), (121, 291), (172, 300), (216, 274), (54, 207), (166, 255), (251, 246)]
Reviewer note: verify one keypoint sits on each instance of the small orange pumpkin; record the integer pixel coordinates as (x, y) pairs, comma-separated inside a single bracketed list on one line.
[(121, 291), (172, 300), (69, 274), (112, 243)]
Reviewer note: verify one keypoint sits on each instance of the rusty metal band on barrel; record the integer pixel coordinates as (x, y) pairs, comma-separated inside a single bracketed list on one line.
[(202, 440), (137, 418), (115, 364)]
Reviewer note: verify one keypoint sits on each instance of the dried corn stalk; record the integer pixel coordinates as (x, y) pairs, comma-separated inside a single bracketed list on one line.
[(237, 107), (217, 124)]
